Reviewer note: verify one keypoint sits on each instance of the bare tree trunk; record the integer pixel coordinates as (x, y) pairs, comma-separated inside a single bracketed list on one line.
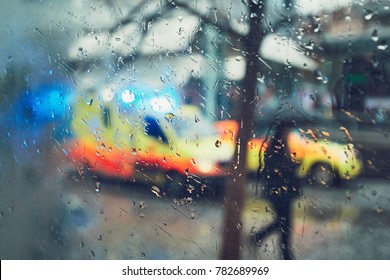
[(235, 192)]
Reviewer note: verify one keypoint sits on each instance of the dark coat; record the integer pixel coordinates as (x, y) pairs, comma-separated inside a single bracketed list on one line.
[(281, 182)]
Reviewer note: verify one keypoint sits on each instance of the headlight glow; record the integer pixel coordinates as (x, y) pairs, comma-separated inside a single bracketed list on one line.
[(128, 96), (160, 104), (205, 166)]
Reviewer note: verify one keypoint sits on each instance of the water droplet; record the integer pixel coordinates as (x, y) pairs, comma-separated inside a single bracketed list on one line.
[(169, 117), (368, 15), (317, 28), (197, 119), (379, 209), (156, 191), (382, 45), (318, 75), (239, 225), (310, 45), (97, 187), (218, 143), (142, 204), (375, 35), (92, 255), (180, 18), (260, 78), (190, 188), (189, 200), (300, 33), (100, 238), (143, 255), (374, 193)]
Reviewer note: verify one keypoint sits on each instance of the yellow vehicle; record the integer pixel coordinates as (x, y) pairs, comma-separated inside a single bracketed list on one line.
[(320, 160), (122, 135)]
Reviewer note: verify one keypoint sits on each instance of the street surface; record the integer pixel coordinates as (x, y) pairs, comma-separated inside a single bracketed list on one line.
[(50, 210)]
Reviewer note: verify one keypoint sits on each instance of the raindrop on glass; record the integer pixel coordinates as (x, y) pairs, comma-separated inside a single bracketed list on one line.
[(142, 205), (375, 35), (382, 45), (218, 143), (260, 78), (169, 116), (97, 187), (156, 191), (310, 45), (317, 28), (92, 255), (368, 15), (190, 188)]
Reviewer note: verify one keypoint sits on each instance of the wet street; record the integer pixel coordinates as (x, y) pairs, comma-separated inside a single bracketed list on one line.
[(50, 210)]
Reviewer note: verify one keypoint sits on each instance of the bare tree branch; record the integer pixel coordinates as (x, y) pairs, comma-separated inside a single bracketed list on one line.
[(205, 18)]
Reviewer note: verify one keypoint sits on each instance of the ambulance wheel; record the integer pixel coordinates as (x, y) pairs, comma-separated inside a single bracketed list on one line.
[(323, 174)]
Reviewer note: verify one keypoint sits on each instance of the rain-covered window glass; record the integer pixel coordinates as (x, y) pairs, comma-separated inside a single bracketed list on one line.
[(174, 129)]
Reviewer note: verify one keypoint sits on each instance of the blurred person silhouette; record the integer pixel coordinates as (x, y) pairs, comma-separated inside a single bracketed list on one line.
[(281, 184)]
